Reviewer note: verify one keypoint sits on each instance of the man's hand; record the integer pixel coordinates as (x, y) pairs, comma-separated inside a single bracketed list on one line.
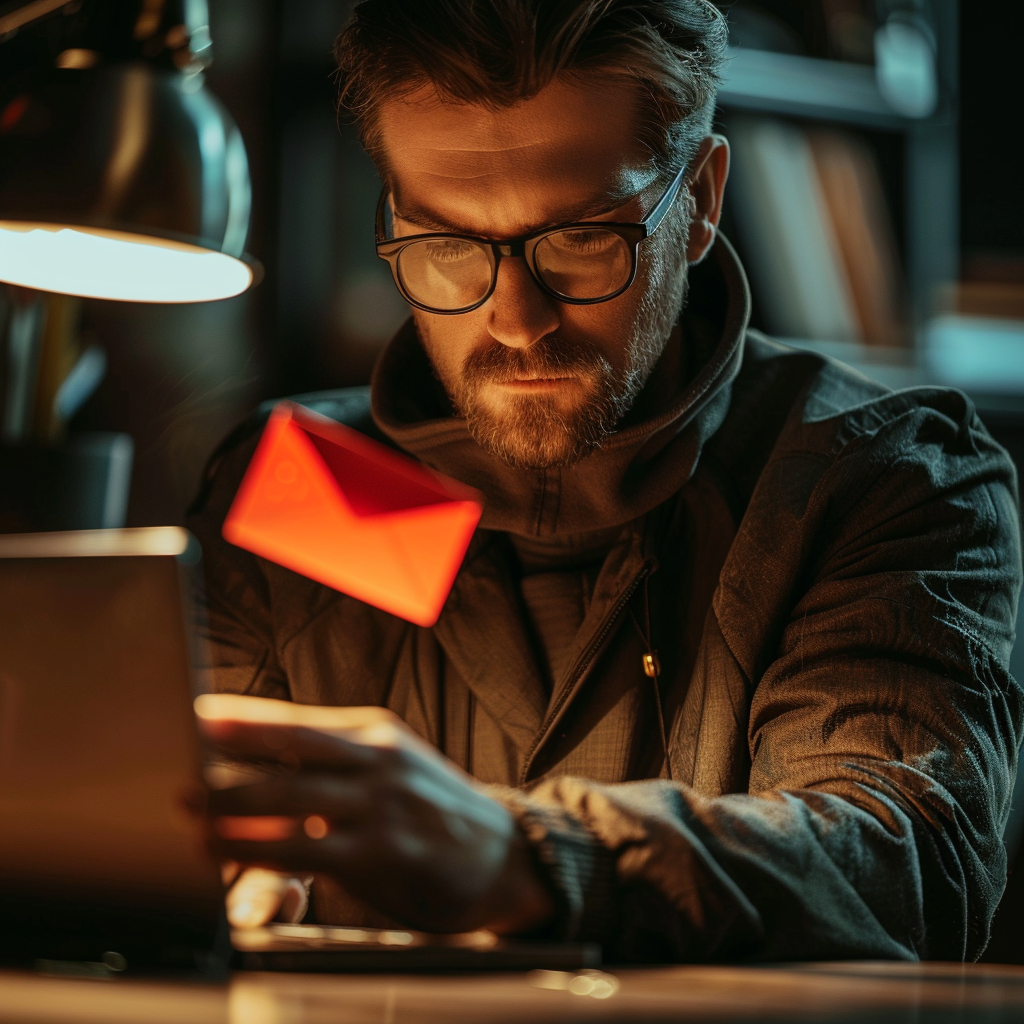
[(364, 799)]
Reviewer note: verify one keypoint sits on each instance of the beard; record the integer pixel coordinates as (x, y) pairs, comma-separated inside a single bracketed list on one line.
[(542, 430), (539, 431)]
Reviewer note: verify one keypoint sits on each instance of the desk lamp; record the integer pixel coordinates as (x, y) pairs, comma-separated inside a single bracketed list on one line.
[(121, 176)]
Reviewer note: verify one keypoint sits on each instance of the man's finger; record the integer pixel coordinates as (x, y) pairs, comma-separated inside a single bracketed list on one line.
[(290, 745), (294, 902), (266, 711), (260, 895), (338, 798)]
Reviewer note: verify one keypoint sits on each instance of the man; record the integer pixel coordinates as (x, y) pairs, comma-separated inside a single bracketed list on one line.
[(724, 672)]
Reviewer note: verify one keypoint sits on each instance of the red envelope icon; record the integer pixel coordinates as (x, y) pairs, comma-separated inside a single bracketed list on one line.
[(328, 502)]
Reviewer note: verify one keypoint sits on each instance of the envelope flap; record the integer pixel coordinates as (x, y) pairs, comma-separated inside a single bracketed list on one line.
[(372, 479), (286, 478)]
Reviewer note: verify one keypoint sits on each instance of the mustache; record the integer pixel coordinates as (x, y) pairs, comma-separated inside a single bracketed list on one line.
[(551, 356)]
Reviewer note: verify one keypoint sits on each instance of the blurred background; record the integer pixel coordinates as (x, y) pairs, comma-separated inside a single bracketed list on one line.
[(875, 201)]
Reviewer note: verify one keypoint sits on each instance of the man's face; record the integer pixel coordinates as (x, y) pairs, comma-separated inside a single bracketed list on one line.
[(540, 382)]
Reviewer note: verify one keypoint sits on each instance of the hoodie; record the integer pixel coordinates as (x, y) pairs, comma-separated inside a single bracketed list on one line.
[(825, 574)]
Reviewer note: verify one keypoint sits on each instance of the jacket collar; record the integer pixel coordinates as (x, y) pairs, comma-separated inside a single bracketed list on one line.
[(635, 470)]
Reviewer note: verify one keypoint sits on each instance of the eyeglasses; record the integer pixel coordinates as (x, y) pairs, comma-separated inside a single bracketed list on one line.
[(584, 263)]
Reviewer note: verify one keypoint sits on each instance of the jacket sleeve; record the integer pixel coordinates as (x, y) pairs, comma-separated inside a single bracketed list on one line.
[(233, 603), (883, 740)]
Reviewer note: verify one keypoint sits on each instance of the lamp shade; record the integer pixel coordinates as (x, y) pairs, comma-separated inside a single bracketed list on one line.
[(123, 181)]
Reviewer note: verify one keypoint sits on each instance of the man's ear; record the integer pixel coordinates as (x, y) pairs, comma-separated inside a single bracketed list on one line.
[(707, 187)]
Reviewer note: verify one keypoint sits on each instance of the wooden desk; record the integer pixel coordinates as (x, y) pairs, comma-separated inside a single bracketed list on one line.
[(880, 993)]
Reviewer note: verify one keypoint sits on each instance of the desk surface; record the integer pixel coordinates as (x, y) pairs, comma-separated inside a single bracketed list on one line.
[(818, 992)]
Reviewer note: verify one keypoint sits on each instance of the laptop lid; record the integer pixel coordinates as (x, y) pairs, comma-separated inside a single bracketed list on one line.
[(99, 751)]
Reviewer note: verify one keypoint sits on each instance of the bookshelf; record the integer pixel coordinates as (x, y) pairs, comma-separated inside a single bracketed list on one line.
[(808, 87), (820, 92)]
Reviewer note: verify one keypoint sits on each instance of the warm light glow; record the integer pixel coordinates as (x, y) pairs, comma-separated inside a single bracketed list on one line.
[(271, 829), (316, 827), (116, 265), (148, 540)]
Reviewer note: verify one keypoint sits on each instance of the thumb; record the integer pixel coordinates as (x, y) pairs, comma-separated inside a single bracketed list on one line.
[(259, 895)]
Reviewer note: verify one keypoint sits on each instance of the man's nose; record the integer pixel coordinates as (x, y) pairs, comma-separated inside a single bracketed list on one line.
[(520, 313)]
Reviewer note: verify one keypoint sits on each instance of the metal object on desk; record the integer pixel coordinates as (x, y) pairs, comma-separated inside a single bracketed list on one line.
[(298, 948)]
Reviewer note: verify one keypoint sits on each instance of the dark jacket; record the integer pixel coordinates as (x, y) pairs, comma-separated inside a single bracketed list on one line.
[(831, 572)]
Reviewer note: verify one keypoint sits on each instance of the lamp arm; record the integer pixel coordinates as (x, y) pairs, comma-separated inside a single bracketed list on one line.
[(22, 16), (174, 32)]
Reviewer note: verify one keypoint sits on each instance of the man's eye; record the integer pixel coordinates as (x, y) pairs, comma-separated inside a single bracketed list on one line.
[(589, 242), (450, 250)]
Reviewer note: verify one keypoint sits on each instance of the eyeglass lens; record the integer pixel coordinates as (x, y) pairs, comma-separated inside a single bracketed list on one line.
[(448, 274)]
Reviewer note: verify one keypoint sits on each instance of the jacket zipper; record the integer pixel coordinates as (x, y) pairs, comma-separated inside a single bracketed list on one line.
[(583, 664)]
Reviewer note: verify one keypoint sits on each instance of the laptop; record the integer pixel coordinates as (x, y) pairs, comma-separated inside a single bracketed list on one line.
[(102, 868)]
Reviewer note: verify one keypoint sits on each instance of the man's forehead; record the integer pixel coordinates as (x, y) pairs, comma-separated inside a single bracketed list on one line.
[(479, 168)]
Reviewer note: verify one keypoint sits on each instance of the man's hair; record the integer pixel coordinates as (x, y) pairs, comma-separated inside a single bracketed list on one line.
[(498, 52)]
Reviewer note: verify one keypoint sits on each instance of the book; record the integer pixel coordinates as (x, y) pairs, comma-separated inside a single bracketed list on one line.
[(851, 186), (786, 232)]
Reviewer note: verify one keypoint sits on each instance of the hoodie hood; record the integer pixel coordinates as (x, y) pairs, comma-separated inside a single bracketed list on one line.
[(633, 471)]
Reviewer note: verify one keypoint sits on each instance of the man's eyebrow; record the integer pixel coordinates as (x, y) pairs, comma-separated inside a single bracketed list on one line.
[(607, 201), (420, 218)]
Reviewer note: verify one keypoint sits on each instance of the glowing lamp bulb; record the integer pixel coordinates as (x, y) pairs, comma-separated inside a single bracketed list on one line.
[(98, 264)]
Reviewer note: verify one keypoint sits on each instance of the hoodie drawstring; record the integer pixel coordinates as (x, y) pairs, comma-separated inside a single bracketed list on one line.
[(652, 670)]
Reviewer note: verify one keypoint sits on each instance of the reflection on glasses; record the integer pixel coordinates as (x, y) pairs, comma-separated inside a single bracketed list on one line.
[(576, 263)]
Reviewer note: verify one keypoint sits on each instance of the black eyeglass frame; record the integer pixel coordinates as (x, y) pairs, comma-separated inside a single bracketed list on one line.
[(525, 246)]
